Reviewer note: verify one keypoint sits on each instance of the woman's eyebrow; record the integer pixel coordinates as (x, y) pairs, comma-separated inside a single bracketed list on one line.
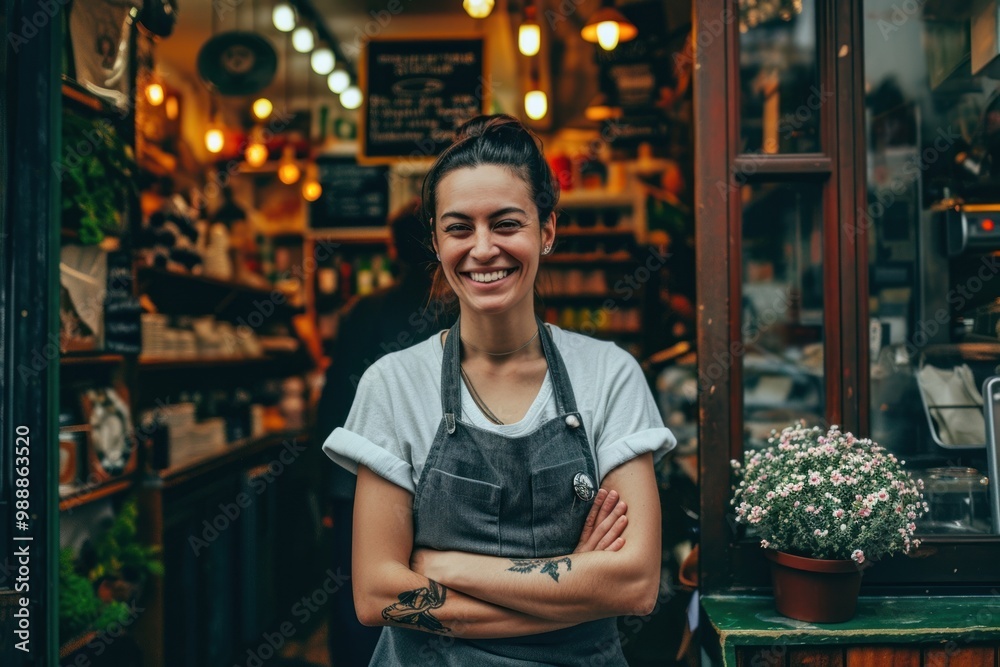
[(494, 214)]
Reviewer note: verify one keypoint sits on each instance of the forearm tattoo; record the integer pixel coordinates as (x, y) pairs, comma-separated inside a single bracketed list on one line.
[(548, 565), (414, 608)]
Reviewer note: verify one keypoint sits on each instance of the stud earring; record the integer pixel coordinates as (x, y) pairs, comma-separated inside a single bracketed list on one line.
[(547, 250), (438, 255)]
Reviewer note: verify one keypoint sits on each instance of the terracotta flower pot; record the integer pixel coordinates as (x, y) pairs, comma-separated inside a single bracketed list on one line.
[(813, 589)]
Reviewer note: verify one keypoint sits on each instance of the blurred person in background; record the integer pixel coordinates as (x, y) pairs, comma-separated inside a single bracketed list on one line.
[(390, 319)]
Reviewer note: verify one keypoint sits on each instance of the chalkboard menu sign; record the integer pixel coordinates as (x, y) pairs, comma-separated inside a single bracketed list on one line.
[(122, 327), (354, 195), (418, 92)]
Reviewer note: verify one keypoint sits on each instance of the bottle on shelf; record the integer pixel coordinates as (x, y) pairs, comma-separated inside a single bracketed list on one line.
[(346, 278), (365, 277)]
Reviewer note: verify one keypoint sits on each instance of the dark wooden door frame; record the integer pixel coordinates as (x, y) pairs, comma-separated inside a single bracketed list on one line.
[(29, 262), (728, 564)]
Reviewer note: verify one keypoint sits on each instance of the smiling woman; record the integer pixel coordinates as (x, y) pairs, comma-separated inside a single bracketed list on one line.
[(489, 442)]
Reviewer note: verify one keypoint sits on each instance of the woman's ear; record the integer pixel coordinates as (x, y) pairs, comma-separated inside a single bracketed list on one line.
[(434, 241), (549, 231)]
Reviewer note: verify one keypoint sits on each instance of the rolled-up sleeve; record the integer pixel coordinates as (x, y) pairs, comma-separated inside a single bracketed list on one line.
[(369, 436), (631, 424)]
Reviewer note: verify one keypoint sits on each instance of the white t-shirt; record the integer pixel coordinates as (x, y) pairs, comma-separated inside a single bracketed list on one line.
[(397, 409)]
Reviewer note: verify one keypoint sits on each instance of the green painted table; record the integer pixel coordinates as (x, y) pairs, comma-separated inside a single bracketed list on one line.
[(955, 622)]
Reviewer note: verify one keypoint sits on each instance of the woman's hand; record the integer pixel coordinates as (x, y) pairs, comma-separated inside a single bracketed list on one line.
[(604, 525)]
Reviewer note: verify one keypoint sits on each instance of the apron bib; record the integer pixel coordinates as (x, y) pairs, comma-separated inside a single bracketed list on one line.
[(514, 497)]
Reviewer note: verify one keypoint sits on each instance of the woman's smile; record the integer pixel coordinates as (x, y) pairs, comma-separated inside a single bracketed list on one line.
[(493, 277)]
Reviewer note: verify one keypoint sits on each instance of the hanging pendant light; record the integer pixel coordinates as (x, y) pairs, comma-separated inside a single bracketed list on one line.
[(288, 169), (608, 27), (351, 98), (256, 152), (529, 34), (338, 81), (478, 9), (154, 93), (215, 140), (536, 104), (322, 61), (262, 108), (311, 189), (283, 17), (302, 39)]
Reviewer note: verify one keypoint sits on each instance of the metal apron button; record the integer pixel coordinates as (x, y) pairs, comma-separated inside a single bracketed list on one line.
[(584, 486), (572, 421)]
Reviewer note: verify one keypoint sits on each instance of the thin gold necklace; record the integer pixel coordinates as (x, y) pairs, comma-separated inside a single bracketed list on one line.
[(479, 401), (501, 354)]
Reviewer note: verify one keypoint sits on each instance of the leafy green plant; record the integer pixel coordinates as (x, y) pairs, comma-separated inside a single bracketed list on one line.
[(79, 605), (117, 552), (80, 609), (97, 177)]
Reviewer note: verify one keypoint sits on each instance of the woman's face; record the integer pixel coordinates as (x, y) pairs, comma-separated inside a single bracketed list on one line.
[(489, 237)]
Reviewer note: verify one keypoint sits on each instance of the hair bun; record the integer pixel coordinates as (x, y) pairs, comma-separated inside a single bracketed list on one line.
[(480, 125)]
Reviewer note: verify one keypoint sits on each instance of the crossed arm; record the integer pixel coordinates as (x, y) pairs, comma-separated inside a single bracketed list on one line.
[(614, 570)]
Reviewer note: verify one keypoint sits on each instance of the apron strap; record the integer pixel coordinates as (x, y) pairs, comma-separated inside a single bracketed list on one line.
[(561, 386), (451, 378)]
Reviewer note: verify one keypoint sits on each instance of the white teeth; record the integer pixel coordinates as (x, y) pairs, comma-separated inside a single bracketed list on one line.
[(490, 277)]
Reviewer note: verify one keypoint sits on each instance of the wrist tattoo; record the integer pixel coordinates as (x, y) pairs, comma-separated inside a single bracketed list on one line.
[(414, 607), (548, 565)]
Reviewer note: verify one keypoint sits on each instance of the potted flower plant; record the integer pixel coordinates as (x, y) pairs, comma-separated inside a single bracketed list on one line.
[(825, 504)]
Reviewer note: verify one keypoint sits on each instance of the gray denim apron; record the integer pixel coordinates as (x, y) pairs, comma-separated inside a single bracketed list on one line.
[(515, 497)]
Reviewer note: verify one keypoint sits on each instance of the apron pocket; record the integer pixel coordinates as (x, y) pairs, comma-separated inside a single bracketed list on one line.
[(557, 512), (459, 513)]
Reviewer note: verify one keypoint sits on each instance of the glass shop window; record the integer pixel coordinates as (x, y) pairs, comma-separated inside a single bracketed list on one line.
[(932, 112)]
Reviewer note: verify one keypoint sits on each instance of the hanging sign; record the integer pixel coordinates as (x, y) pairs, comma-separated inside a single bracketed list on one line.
[(418, 91)]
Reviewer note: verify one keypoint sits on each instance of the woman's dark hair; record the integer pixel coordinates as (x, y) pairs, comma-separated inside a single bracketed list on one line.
[(500, 140)]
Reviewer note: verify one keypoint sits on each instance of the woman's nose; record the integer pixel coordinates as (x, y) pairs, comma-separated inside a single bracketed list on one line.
[(484, 247)]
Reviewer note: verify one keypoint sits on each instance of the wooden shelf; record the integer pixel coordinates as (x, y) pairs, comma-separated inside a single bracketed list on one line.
[(154, 364), (597, 231), (183, 293), (596, 199), (352, 235), (76, 643), (76, 95), (583, 258), (96, 359), (234, 452), (77, 498)]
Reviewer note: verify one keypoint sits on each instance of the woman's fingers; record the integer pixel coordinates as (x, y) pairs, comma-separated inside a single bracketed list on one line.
[(613, 536), (593, 518), (601, 528)]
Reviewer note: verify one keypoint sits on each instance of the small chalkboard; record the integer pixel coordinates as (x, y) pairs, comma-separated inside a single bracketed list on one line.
[(418, 92), (354, 195), (122, 310)]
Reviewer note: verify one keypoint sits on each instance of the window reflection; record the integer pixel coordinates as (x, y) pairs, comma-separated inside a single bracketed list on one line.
[(933, 149), (781, 98), (782, 322)]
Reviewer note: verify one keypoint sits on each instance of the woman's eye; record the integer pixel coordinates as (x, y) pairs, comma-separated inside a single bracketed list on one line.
[(508, 224), (456, 228)]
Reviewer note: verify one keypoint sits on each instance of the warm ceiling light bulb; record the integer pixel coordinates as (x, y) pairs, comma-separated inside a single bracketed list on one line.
[(214, 140), (536, 104), (338, 81), (256, 154), (311, 190), (262, 108), (154, 93), (302, 39), (288, 170), (608, 34), (283, 17), (322, 61), (478, 9), (351, 98), (608, 27), (172, 108), (529, 38)]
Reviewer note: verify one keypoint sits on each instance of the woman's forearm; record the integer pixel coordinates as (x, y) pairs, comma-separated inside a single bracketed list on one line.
[(573, 588), (403, 598)]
